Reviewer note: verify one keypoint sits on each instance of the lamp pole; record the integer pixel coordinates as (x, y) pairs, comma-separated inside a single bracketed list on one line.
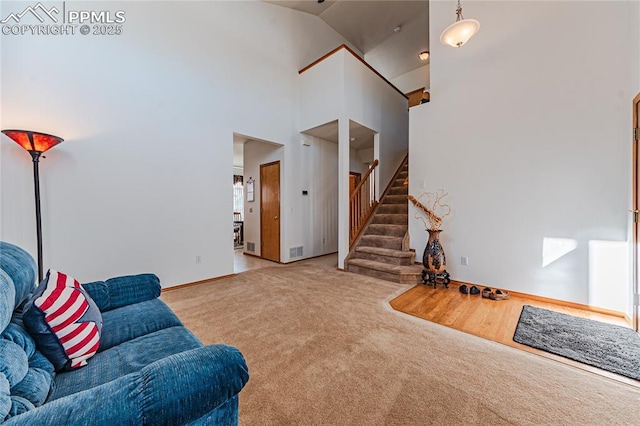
[(35, 143), (35, 155)]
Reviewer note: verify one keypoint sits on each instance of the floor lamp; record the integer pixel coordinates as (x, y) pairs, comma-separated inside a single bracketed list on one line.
[(35, 143)]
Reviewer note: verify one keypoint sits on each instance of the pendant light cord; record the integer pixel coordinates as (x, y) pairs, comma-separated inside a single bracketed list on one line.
[(459, 16)]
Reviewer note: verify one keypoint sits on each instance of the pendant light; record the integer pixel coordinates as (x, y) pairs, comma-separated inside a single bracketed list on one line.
[(458, 33)]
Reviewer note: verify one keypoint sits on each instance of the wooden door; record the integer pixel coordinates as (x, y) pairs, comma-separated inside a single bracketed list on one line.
[(270, 211), (636, 208)]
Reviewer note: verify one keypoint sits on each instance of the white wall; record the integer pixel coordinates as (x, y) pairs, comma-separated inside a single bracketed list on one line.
[(356, 164), (413, 80), (529, 132), (320, 206), (142, 182), (371, 102), (341, 87), (341, 84), (366, 155), (322, 92)]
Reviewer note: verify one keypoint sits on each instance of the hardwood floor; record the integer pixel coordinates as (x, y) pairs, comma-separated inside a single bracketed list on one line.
[(243, 262), (493, 320)]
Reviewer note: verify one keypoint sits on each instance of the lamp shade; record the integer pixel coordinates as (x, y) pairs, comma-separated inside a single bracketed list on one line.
[(458, 33), (33, 141)]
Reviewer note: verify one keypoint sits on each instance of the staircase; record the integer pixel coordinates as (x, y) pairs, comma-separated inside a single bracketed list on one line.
[(382, 249)]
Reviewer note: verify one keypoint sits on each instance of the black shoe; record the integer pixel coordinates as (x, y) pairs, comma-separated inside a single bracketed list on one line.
[(474, 290), (463, 289)]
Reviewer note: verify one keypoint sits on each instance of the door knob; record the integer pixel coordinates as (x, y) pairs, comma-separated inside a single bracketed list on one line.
[(275, 217)]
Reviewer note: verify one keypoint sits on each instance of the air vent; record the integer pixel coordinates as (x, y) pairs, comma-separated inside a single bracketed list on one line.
[(295, 252), (251, 247)]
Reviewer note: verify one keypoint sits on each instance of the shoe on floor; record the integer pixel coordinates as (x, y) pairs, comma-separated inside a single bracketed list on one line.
[(474, 290), (499, 295), (463, 289), (486, 293)]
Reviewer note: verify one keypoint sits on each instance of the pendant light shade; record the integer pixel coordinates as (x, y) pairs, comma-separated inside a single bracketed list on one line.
[(458, 33)]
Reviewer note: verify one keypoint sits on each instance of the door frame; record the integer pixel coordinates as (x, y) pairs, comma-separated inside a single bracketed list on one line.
[(635, 206), (279, 210)]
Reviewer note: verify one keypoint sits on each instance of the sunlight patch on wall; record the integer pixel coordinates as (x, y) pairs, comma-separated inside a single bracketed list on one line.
[(554, 248), (609, 275)]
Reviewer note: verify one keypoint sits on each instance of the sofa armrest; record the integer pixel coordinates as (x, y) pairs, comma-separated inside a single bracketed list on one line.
[(184, 387), (175, 390), (127, 290)]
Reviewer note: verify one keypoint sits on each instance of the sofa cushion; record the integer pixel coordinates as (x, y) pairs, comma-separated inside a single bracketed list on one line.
[(125, 290), (132, 321), (14, 364), (64, 321), (13, 368), (17, 279), (36, 383), (126, 358), (7, 298)]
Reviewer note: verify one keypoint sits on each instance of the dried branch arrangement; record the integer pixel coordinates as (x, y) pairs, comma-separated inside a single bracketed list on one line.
[(432, 207)]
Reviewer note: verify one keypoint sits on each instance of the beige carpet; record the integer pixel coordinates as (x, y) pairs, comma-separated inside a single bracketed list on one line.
[(325, 348)]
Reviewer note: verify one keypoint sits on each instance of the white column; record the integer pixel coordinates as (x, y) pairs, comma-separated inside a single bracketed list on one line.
[(343, 190)]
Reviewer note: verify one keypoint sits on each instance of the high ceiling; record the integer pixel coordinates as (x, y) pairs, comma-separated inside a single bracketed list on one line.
[(369, 26)]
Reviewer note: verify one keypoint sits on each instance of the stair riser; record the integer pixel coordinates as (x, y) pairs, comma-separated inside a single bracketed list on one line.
[(372, 241), (395, 199), (410, 279), (384, 229), (374, 274), (401, 279), (398, 190), (402, 175), (393, 219), (398, 183), (389, 260), (393, 209)]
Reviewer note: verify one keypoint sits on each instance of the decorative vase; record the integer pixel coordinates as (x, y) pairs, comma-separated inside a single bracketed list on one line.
[(434, 261)]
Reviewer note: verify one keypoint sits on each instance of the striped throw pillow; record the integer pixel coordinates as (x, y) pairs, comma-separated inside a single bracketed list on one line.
[(64, 321)]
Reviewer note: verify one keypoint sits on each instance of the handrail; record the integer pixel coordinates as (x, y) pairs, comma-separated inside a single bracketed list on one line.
[(362, 202), (348, 49)]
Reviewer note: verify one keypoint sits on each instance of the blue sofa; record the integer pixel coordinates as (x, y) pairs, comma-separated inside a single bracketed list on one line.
[(149, 369)]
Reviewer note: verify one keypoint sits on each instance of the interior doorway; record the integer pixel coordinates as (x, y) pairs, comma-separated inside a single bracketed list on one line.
[(635, 212), (249, 154), (270, 211)]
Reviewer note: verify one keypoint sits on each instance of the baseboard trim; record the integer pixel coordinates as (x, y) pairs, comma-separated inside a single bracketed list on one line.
[(307, 258), (291, 261), (179, 286), (559, 302)]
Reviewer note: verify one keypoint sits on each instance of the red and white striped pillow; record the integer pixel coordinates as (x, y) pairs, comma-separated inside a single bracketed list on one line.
[(64, 321)]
